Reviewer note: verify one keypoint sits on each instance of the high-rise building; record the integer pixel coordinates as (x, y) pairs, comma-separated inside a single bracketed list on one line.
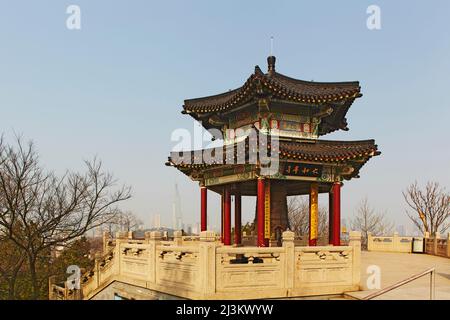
[(196, 228), (177, 219), (401, 230), (156, 221)]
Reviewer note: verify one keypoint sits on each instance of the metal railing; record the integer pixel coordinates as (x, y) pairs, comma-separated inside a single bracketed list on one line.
[(430, 271)]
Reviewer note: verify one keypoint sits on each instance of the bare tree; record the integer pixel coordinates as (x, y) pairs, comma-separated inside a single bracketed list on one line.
[(430, 207), (10, 265), (39, 211), (298, 213), (368, 221), (123, 221), (12, 259)]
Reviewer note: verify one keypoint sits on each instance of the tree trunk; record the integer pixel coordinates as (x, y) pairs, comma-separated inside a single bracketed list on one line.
[(33, 277), (12, 289)]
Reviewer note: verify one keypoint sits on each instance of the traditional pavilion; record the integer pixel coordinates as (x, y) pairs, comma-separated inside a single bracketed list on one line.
[(289, 116)]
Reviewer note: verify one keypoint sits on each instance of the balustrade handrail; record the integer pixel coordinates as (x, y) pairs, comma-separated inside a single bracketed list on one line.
[(176, 248), (430, 271), (322, 248), (226, 249)]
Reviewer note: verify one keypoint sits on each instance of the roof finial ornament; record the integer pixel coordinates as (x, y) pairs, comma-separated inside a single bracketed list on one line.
[(271, 45), (271, 59)]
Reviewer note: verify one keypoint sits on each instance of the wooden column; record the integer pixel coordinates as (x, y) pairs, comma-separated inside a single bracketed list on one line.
[(227, 217), (330, 216), (313, 214), (203, 210), (260, 212), (336, 214), (237, 219)]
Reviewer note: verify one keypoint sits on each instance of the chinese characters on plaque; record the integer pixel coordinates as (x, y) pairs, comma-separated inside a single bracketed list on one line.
[(302, 170)]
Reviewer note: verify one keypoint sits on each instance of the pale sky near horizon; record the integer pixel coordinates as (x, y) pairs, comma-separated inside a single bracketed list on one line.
[(116, 87)]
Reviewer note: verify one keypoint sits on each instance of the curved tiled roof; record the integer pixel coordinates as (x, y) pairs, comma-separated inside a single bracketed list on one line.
[(280, 86), (323, 151), (328, 150)]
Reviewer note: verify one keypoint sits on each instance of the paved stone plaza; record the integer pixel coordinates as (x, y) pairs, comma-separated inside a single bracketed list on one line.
[(399, 266)]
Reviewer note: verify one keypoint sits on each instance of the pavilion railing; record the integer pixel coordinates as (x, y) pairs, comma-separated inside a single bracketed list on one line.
[(393, 243), (204, 268), (302, 240), (435, 245)]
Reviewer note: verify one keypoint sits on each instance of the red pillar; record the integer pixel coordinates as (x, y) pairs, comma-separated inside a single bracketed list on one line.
[(227, 217), (260, 212), (237, 219), (330, 216), (222, 201), (337, 214), (204, 204)]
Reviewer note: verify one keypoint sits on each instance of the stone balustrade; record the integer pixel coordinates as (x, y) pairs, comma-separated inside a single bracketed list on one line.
[(432, 245), (437, 245), (394, 243), (203, 268)]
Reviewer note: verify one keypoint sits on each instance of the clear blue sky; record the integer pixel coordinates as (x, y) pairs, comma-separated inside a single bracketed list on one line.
[(115, 88)]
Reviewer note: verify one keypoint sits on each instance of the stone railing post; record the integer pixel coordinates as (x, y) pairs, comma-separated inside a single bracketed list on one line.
[(66, 291), (369, 241), (118, 253), (355, 243), (96, 275), (51, 282), (289, 271), (395, 242), (130, 235), (437, 236), (105, 239), (426, 236), (178, 237), (153, 239), (207, 254), (448, 245), (116, 257)]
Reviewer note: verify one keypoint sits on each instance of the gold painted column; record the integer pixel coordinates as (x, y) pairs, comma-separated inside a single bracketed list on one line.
[(260, 212), (313, 214)]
